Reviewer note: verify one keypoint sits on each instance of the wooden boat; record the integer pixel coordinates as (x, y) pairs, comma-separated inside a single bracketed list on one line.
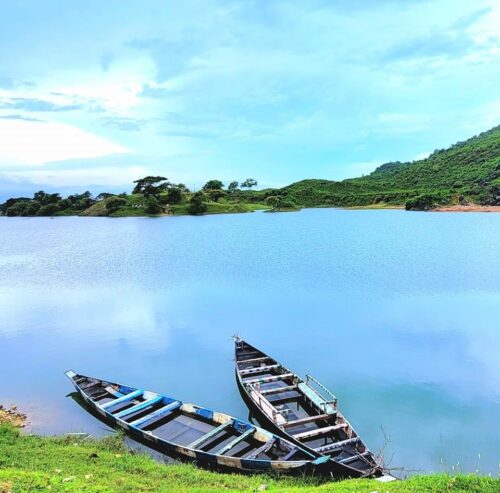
[(190, 432), (304, 412)]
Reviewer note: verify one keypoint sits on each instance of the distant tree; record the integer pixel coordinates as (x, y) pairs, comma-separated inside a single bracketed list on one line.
[(233, 187), (41, 197), (182, 187), (249, 183), (424, 202), (114, 203), (196, 204), (274, 201), (213, 185), (81, 201), (103, 195), (65, 204), (152, 205), (215, 195), (23, 208), (48, 210), (46, 198), (10, 202), (151, 185), (174, 195)]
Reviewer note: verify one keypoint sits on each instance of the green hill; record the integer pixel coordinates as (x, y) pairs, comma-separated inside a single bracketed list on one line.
[(466, 172)]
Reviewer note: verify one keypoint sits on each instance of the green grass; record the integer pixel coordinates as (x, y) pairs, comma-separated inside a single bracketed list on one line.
[(67, 464)]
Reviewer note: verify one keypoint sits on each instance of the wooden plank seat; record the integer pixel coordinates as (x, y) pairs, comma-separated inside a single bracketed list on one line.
[(99, 395), (258, 369), (199, 442), (331, 447), (159, 413), (272, 378), (262, 450), (278, 390), (125, 398), (233, 443), (315, 398), (139, 407), (290, 454), (252, 354), (253, 360), (308, 419), (111, 390), (352, 458), (318, 432)]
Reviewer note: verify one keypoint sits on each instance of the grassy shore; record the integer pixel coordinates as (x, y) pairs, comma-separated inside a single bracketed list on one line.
[(70, 464)]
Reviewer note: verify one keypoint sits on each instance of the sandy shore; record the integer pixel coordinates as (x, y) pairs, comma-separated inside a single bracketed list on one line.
[(468, 208), (13, 416)]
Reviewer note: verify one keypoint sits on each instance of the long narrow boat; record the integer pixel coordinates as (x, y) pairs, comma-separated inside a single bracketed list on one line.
[(304, 412), (190, 432)]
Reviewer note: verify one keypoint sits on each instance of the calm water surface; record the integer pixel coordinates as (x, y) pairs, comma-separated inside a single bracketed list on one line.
[(397, 312)]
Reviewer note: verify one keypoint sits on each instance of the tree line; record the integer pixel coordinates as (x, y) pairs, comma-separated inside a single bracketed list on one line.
[(157, 192)]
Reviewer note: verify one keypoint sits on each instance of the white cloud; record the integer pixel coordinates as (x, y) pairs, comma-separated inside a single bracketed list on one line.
[(111, 176), (33, 143)]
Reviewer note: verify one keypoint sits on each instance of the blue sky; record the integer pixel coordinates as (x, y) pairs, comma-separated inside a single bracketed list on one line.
[(95, 94)]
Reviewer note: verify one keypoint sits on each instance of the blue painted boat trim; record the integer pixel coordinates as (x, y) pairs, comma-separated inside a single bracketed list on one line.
[(125, 398), (241, 426), (205, 413), (138, 407), (203, 458), (157, 414)]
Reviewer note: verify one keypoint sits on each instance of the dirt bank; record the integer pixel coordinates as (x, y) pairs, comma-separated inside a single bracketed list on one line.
[(468, 208), (13, 416)]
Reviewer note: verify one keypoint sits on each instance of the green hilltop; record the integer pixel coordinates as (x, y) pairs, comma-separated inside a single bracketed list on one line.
[(465, 173)]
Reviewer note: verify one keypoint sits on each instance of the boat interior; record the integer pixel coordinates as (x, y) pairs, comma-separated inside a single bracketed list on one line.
[(305, 410), (187, 425)]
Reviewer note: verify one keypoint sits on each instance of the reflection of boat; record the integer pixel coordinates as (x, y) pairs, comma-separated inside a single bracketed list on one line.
[(190, 432), (304, 412)]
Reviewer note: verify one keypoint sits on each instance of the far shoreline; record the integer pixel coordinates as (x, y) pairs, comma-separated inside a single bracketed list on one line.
[(468, 208), (371, 207)]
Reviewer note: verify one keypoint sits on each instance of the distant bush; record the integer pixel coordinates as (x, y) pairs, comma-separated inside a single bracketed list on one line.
[(114, 203), (174, 195), (426, 202), (152, 206), (196, 204), (48, 210)]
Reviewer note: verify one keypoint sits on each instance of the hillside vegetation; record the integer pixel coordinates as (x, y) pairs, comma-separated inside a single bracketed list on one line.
[(467, 172), (70, 464)]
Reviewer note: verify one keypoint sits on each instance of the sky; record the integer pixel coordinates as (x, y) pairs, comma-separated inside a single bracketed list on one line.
[(94, 94)]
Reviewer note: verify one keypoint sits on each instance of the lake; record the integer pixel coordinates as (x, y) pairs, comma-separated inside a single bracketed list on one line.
[(397, 312)]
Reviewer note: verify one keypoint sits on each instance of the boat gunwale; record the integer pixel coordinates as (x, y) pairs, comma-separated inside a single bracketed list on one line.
[(279, 464), (297, 379)]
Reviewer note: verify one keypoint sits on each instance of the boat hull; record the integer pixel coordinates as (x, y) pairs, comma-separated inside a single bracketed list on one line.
[(200, 458), (254, 368), (331, 467)]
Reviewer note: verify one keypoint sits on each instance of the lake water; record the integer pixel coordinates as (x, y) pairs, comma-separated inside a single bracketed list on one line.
[(397, 312)]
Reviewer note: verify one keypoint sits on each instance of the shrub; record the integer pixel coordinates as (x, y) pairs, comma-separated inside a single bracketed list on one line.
[(114, 203), (174, 196), (196, 204), (48, 210), (152, 205)]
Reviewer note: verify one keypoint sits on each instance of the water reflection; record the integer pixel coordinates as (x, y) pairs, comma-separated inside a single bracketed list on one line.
[(375, 304)]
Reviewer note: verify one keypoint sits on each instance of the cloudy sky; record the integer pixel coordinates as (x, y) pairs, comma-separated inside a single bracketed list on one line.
[(98, 93)]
